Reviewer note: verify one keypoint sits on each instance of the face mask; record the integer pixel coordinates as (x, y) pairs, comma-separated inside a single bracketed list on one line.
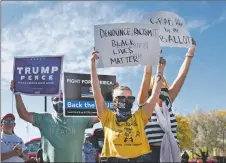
[(163, 94), (58, 105), (123, 112), (125, 104)]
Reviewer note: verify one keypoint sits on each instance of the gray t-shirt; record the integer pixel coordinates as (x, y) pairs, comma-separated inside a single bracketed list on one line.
[(61, 137)]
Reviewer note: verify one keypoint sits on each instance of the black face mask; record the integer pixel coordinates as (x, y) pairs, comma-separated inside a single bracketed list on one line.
[(58, 105), (124, 106)]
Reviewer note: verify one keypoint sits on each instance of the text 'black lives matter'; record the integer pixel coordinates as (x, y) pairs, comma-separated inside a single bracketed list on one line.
[(126, 46)]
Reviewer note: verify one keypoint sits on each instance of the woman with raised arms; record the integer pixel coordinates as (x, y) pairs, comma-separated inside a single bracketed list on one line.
[(161, 129), (124, 136)]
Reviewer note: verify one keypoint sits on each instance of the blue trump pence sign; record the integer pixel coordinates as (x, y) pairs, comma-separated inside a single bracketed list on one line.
[(37, 75)]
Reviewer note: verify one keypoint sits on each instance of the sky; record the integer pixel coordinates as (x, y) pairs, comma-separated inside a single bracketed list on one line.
[(53, 28)]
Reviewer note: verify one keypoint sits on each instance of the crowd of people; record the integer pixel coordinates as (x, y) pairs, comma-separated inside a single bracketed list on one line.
[(148, 135)]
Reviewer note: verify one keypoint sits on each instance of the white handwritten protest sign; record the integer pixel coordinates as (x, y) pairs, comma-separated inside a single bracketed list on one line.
[(172, 31), (126, 44)]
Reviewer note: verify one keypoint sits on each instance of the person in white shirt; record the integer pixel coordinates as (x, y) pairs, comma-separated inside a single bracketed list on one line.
[(12, 146)]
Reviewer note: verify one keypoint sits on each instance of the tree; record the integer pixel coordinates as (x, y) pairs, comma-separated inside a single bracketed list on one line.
[(184, 132), (220, 124), (207, 128), (203, 155)]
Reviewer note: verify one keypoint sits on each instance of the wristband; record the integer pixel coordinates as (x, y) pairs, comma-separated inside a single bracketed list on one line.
[(17, 93), (159, 76), (189, 55)]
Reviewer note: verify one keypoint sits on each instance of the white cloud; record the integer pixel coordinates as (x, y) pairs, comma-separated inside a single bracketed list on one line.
[(194, 24), (66, 28), (218, 20)]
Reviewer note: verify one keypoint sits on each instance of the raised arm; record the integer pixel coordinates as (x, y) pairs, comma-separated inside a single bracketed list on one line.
[(152, 100), (21, 109), (143, 92), (98, 97), (179, 81)]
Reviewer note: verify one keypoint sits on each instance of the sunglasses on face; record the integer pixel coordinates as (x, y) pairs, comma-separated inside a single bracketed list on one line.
[(5, 121), (124, 98), (58, 99)]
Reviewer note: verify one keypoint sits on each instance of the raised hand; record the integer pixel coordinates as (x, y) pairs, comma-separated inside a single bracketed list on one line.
[(191, 51), (161, 65), (12, 85), (116, 84), (94, 56)]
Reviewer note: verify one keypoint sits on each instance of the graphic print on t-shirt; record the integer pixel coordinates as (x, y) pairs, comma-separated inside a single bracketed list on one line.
[(11, 144), (127, 133), (10, 141), (7, 144)]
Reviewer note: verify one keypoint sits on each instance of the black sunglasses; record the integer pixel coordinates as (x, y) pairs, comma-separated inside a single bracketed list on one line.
[(124, 98)]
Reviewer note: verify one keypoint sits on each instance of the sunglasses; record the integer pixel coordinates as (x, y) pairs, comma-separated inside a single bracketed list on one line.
[(124, 98), (5, 121), (58, 99)]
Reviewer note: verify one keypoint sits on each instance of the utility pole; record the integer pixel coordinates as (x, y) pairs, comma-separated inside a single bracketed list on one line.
[(45, 103), (12, 102), (27, 127)]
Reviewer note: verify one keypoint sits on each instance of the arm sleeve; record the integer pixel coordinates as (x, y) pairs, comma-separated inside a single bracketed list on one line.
[(144, 117), (38, 119), (106, 116)]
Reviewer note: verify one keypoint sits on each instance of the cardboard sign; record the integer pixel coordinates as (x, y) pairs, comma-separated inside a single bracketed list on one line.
[(37, 75), (78, 95), (126, 44), (172, 31)]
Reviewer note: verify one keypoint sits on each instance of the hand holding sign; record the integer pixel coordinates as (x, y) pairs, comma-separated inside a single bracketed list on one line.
[(94, 56), (191, 51), (161, 65), (12, 85), (115, 85)]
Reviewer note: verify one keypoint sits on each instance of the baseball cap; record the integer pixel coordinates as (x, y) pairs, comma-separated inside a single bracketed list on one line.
[(8, 115)]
